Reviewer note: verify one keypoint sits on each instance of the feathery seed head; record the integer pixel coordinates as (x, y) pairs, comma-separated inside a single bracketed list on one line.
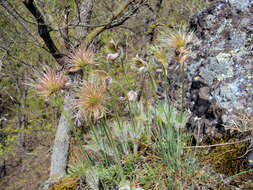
[(90, 99), (48, 82), (80, 58), (179, 39), (160, 54)]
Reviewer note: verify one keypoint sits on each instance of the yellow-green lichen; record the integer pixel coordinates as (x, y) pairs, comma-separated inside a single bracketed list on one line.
[(66, 183), (224, 59)]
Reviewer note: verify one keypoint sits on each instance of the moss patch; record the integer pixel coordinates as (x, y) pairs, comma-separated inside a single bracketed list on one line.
[(228, 160), (66, 183)]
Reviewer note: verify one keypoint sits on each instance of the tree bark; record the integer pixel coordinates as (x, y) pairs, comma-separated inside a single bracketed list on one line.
[(2, 136), (59, 157), (84, 14)]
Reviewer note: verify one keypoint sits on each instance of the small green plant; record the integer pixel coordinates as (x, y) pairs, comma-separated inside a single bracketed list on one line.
[(143, 149), (77, 170)]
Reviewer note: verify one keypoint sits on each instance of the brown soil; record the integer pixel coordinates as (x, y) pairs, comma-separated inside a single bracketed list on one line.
[(27, 171)]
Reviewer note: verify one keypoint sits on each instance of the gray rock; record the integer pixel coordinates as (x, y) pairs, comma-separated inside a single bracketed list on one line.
[(219, 70), (242, 5)]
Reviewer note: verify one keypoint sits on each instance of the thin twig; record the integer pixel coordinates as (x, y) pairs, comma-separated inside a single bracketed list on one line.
[(216, 145)]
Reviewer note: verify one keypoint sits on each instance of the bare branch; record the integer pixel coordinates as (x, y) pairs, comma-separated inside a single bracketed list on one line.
[(217, 145), (65, 32), (78, 11), (115, 20), (43, 30), (11, 11)]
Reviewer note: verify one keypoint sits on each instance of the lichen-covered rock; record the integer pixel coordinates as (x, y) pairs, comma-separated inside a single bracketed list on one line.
[(219, 70)]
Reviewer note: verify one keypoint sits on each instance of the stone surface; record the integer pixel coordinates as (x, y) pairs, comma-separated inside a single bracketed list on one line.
[(219, 70)]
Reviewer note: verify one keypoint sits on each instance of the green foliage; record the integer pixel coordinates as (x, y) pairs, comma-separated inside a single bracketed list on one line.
[(78, 170), (9, 145), (109, 175), (138, 143), (123, 140)]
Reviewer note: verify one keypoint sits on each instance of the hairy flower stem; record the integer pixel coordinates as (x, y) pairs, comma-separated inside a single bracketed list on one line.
[(166, 85), (182, 94), (154, 86)]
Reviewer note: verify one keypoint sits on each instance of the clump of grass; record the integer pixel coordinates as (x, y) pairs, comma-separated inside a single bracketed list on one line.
[(143, 149), (242, 123), (152, 134), (77, 170)]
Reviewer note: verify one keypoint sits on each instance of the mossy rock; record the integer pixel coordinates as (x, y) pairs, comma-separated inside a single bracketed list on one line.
[(225, 159), (229, 159), (66, 183)]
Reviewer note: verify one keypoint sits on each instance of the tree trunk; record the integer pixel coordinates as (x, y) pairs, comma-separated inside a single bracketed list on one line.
[(21, 115), (2, 160), (84, 15), (2, 136), (59, 157)]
